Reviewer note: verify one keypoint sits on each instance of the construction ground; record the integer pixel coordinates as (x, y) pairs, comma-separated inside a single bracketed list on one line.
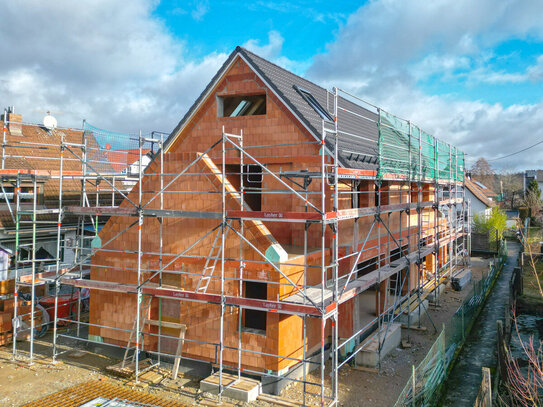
[(22, 384)]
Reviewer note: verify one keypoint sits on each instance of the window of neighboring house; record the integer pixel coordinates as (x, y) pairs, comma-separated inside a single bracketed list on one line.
[(254, 320), (310, 99), (235, 106)]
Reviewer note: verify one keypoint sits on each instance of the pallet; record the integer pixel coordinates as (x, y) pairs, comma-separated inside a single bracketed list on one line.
[(129, 369), (148, 378)]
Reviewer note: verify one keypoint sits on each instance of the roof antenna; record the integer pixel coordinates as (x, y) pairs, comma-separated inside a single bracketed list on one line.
[(49, 122)]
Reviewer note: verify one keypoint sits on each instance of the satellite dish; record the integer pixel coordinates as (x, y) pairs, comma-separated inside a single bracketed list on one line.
[(49, 122)]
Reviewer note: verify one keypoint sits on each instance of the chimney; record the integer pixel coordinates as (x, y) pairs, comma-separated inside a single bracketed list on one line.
[(13, 121)]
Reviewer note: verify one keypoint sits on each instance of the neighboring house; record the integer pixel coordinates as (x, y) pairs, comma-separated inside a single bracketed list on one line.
[(530, 175), (32, 152), (281, 116), (488, 193), (481, 204)]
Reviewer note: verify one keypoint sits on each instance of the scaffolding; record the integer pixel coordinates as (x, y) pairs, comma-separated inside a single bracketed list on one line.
[(393, 232)]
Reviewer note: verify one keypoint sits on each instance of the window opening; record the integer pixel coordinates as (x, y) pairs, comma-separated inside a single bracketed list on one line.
[(236, 106), (254, 319), (252, 183)]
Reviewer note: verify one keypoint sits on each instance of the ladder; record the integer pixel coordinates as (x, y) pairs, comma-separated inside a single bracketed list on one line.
[(135, 335), (211, 262)]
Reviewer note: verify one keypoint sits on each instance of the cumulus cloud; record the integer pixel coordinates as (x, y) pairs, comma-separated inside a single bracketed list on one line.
[(272, 51), (110, 62), (387, 47), (200, 10)]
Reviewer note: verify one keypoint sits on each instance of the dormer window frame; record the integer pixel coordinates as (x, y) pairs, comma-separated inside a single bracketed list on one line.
[(311, 101)]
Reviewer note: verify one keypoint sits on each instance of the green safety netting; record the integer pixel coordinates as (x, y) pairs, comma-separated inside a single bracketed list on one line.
[(111, 152), (407, 150)]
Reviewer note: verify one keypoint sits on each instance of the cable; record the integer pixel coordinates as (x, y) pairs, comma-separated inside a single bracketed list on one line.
[(517, 152)]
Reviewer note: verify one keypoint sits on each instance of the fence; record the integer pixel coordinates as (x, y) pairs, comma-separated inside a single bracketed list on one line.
[(484, 396), (422, 388)]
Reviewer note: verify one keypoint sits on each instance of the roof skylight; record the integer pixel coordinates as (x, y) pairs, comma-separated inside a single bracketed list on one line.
[(310, 99)]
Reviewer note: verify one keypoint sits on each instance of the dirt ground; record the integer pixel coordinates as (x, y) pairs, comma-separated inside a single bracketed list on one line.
[(20, 383)]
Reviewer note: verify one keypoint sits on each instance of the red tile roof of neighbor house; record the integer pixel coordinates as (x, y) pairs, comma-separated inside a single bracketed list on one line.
[(33, 148), (479, 192)]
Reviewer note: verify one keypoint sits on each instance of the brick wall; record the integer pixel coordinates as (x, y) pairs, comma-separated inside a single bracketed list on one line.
[(199, 190)]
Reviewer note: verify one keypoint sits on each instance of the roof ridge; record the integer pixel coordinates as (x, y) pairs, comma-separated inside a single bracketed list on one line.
[(240, 48)]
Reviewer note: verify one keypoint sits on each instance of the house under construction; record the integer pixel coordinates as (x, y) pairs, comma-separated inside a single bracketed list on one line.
[(281, 226)]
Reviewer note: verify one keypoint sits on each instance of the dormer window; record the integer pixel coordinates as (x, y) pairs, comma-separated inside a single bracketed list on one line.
[(310, 99), (235, 106)]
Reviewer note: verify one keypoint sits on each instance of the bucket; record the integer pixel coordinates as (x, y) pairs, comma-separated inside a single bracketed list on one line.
[(65, 301)]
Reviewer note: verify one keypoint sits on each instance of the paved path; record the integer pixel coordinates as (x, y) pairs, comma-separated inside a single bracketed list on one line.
[(480, 348)]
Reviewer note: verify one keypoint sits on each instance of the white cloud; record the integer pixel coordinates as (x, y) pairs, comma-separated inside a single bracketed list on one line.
[(535, 72), (110, 62), (388, 46), (269, 51), (272, 51), (200, 10)]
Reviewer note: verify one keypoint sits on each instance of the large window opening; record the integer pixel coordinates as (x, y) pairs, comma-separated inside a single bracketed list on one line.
[(252, 183), (254, 320), (235, 106)]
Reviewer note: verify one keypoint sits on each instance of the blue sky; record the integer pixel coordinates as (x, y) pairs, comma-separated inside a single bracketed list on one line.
[(205, 25), (470, 72)]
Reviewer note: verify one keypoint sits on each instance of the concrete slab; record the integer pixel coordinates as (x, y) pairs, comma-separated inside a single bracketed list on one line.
[(244, 389), (389, 339)]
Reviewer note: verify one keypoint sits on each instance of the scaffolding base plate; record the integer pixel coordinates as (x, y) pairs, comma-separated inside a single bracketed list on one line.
[(244, 389)]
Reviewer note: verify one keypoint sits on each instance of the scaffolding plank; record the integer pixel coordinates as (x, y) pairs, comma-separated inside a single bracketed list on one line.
[(101, 210), (132, 211), (48, 274), (278, 216), (163, 292)]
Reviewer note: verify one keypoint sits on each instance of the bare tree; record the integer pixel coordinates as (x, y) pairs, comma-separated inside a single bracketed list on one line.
[(512, 187), (483, 172), (532, 201), (525, 386)]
